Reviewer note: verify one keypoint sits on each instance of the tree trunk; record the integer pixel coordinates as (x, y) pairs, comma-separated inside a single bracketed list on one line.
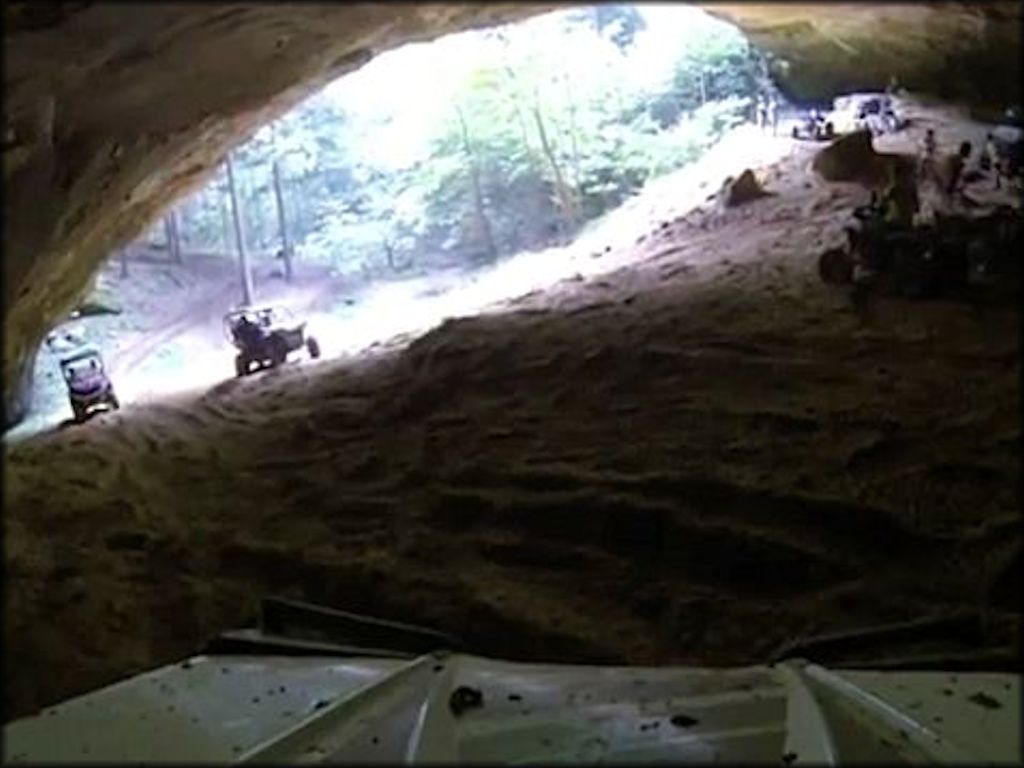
[(703, 89), (524, 133), (565, 198), (282, 222), (123, 258), (243, 256), (517, 96), (257, 228), (573, 135), (225, 221), (186, 214), (483, 222), (173, 238)]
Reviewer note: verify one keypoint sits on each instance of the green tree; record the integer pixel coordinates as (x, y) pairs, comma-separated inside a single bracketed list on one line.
[(534, 143)]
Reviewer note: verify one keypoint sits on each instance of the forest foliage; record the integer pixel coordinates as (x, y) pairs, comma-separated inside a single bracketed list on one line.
[(550, 124)]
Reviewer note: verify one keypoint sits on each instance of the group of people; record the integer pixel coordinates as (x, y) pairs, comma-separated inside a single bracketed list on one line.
[(898, 208), (946, 174), (953, 171), (768, 113)]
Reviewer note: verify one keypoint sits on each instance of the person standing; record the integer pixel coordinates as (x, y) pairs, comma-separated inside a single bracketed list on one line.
[(952, 171), (773, 114), (926, 163), (989, 159)]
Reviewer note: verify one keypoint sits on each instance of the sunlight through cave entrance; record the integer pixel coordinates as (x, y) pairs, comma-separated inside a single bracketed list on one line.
[(435, 181)]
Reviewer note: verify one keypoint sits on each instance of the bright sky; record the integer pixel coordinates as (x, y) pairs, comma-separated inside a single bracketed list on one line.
[(407, 90)]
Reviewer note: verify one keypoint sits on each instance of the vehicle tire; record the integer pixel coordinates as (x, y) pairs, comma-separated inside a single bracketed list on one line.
[(313, 347), (241, 366), (830, 131), (952, 272), (835, 267), (79, 413), (860, 295), (278, 354), (910, 275)]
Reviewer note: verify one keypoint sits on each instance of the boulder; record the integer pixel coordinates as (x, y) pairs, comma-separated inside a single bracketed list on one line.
[(852, 158), (848, 158), (741, 190)]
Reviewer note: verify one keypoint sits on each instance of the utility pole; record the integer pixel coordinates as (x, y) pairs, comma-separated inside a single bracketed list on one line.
[(243, 255)]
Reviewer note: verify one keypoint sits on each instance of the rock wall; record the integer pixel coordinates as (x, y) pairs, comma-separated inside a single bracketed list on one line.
[(953, 51), (114, 111)]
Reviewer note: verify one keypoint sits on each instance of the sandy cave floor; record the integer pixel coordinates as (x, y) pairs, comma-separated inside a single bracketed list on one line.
[(689, 458)]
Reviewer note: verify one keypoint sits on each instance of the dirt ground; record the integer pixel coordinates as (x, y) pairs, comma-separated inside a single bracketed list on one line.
[(690, 454), (168, 335)]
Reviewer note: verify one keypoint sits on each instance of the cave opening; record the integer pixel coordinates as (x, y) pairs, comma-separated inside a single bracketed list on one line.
[(723, 435), (435, 181)]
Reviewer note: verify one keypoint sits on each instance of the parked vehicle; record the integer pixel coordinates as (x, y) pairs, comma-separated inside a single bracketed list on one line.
[(813, 126)]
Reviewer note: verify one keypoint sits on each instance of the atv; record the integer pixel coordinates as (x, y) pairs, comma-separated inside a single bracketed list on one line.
[(814, 127), (913, 262), (955, 256), (89, 389), (264, 338)]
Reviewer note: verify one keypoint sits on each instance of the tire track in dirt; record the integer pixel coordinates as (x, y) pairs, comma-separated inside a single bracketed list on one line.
[(168, 326), (775, 539), (200, 320)]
